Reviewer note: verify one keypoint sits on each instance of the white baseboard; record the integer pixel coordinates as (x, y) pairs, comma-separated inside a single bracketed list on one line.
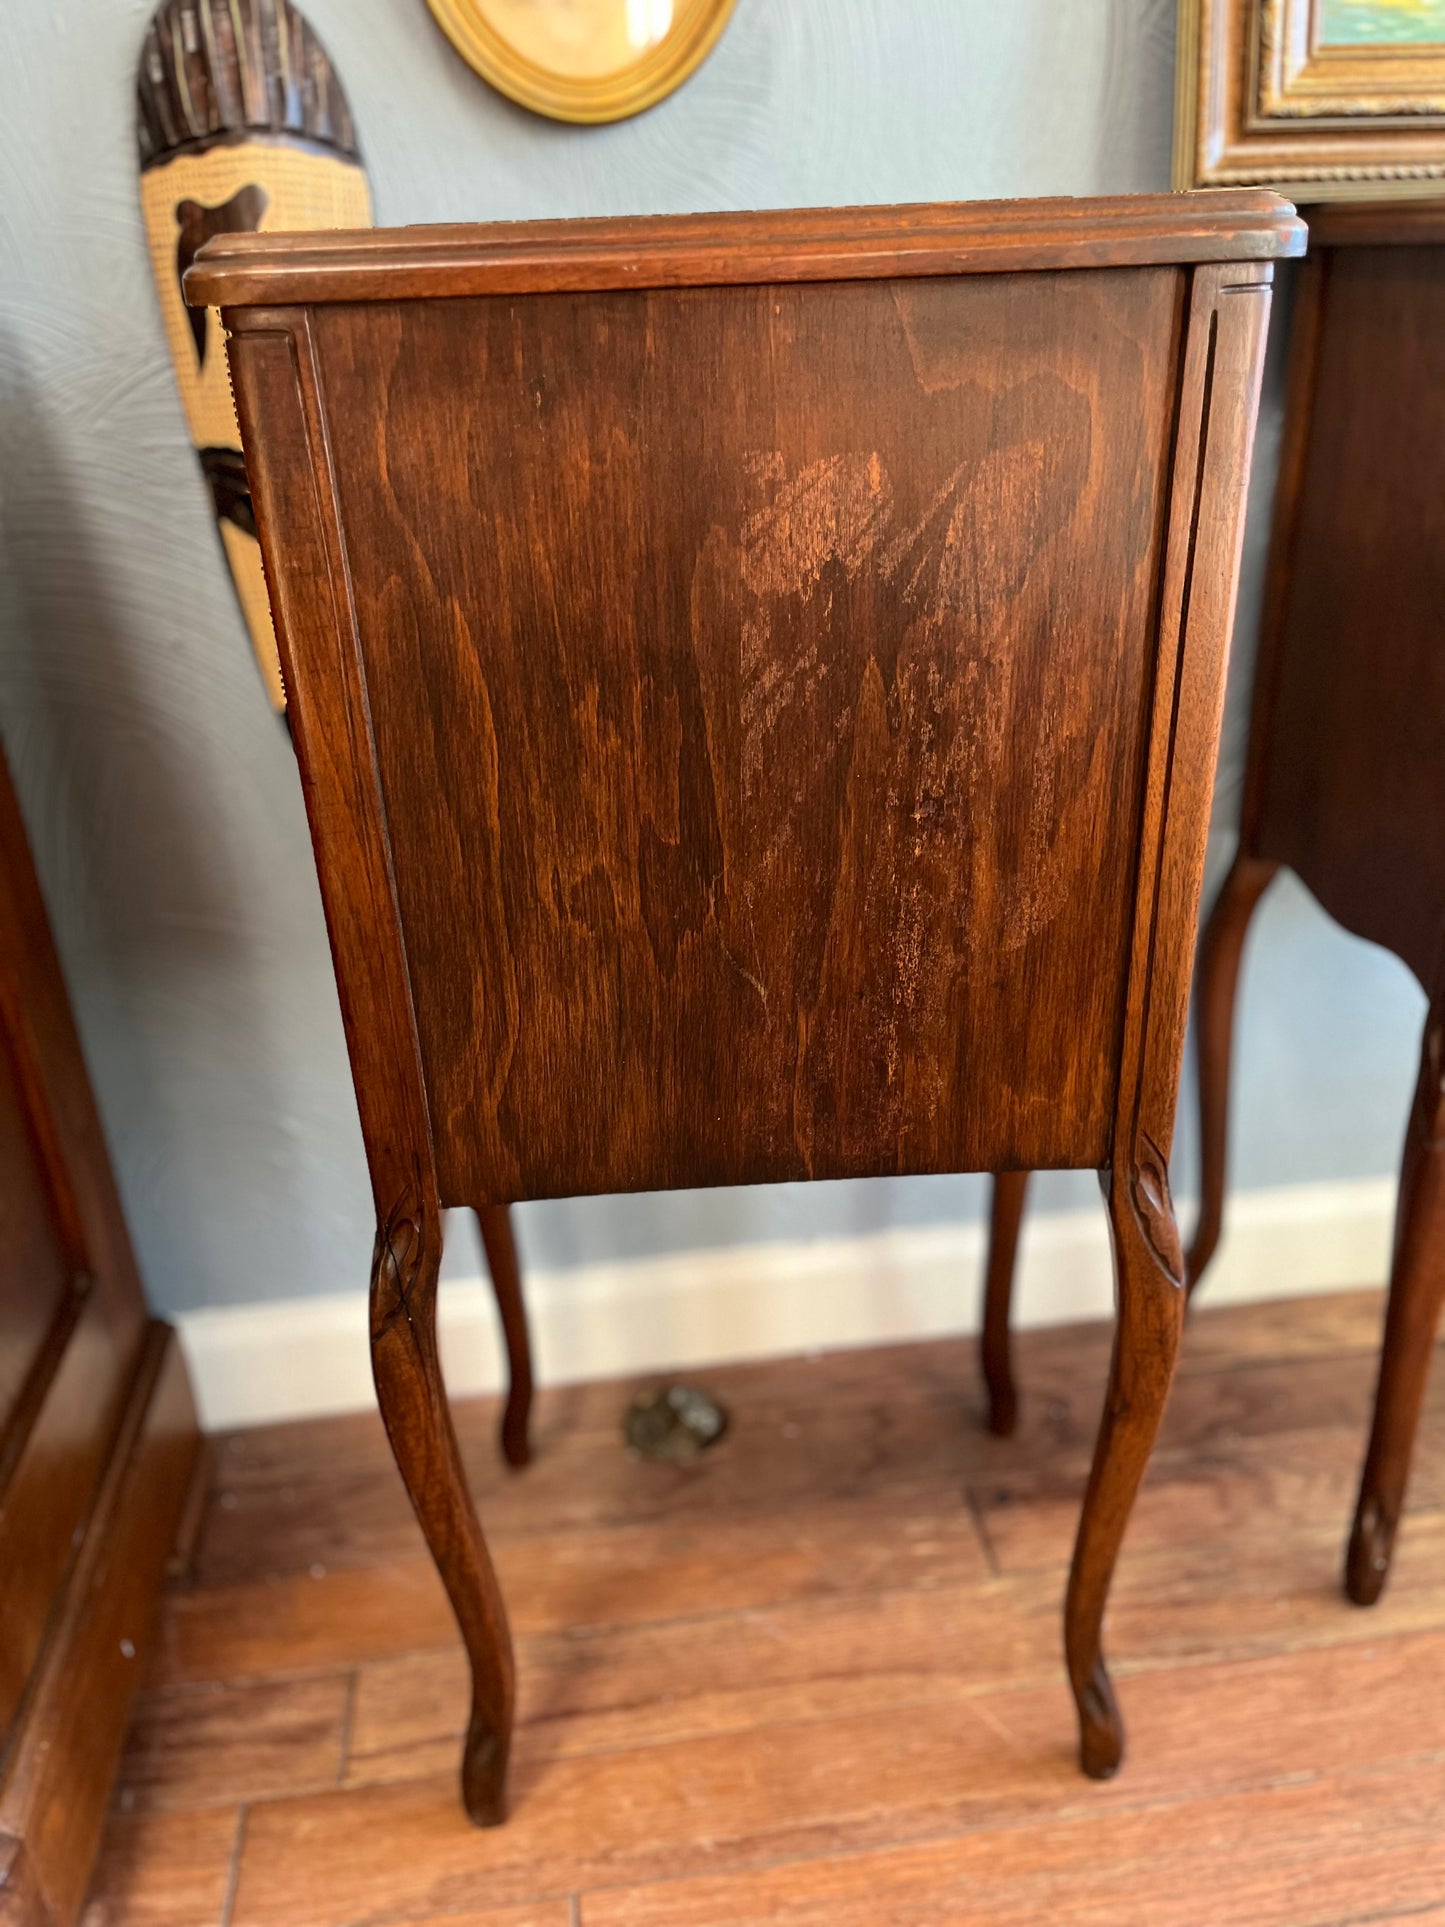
[(307, 1357)]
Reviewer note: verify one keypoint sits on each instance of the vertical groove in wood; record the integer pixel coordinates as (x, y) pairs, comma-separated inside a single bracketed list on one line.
[(1203, 541), (1311, 292), (315, 610), (1230, 310), (310, 589)]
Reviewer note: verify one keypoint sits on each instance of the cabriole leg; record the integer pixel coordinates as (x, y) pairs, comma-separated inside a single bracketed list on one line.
[(414, 1407), (1417, 1290), (995, 1351), (1219, 955), (1149, 1275), (496, 1223)]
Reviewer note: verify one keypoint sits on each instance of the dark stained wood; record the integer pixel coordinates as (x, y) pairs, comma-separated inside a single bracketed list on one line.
[(1222, 363), (1345, 783), (756, 682), (413, 1404), (58, 1774), (60, 1109), (1377, 223), (35, 1277), (1353, 785), (62, 1428), (810, 868), (501, 1249), (1150, 1321), (712, 250), (97, 1433), (995, 1347), (1219, 953), (1417, 1294), (21, 1902)]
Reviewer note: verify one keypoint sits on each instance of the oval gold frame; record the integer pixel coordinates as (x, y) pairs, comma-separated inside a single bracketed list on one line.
[(630, 90)]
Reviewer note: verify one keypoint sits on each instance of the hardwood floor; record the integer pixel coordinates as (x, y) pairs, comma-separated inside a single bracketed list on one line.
[(817, 1677)]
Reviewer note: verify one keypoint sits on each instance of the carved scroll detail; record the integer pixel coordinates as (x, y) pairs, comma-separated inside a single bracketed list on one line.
[(1154, 1208), (1430, 1094), (399, 1260)]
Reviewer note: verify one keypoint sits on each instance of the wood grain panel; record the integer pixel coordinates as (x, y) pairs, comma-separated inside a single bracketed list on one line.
[(743, 840), (1349, 757)]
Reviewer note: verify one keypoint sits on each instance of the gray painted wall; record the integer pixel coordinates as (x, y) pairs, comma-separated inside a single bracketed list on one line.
[(161, 795)]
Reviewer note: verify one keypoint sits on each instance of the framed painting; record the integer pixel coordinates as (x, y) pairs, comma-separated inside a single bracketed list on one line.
[(1325, 97)]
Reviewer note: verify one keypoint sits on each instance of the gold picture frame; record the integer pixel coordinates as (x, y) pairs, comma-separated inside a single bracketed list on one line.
[(544, 55), (1324, 99)]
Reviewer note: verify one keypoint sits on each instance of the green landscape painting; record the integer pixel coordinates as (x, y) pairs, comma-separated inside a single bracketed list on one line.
[(1375, 23)]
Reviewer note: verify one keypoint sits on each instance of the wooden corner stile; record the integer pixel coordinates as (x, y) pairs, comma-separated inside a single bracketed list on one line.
[(271, 357), (1219, 392)]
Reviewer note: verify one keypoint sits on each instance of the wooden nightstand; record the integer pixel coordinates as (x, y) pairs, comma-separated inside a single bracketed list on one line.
[(756, 682)]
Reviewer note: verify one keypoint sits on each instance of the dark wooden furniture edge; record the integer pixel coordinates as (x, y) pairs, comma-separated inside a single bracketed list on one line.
[(1378, 223), (57, 1778), (824, 244)]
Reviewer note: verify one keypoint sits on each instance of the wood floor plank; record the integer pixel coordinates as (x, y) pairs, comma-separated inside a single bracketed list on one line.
[(820, 1429), (694, 1679), (1303, 1483), (648, 1813), (818, 1676), (531, 1913), (1311, 1855), (1326, 1326), (1272, 1491), (941, 1371), (219, 1744), (631, 1574), (808, 1454), (163, 1869)]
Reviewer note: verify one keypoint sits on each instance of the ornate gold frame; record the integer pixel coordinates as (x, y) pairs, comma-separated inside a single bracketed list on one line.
[(1261, 100), (561, 97)]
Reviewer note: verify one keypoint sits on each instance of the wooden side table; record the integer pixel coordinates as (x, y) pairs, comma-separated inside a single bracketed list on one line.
[(756, 681), (1346, 776), (1345, 780)]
